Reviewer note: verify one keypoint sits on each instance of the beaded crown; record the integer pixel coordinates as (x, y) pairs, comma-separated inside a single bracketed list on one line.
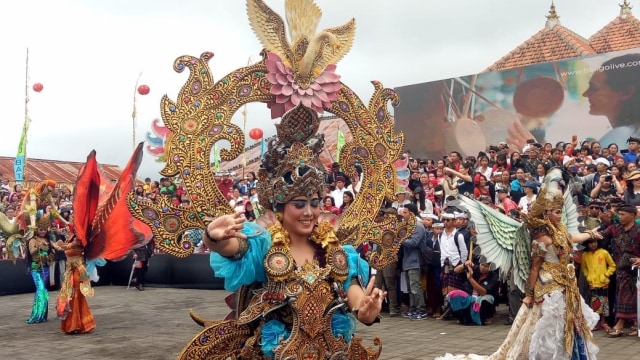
[(291, 164)]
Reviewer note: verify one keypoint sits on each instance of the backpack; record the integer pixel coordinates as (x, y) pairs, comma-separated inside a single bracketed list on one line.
[(426, 255), (455, 237)]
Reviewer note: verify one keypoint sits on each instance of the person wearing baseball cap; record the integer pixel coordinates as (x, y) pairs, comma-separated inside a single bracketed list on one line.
[(530, 190), (401, 198)]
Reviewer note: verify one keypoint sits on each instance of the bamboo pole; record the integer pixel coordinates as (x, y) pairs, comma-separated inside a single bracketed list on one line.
[(134, 113), (26, 115)]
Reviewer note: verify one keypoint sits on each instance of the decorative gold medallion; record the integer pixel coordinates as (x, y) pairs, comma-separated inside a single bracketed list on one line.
[(278, 263), (337, 259)]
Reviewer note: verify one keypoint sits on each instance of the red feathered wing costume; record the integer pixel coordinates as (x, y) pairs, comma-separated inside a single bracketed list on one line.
[(103, 229)]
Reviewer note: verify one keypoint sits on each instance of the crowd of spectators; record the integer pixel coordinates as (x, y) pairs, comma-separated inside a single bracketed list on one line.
[(604, 183), (434, 261)]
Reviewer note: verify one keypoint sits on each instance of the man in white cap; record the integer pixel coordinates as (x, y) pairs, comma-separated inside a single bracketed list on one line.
[(401, 199), (453, 253), (591, 180), (427, 219), (435, 299), (462, 223)]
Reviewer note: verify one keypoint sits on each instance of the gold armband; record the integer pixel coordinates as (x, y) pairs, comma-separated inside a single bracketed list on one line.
[(243, 247)]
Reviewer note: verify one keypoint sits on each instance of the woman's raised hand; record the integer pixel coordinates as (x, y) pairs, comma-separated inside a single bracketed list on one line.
[(371, 303), (226, 227)]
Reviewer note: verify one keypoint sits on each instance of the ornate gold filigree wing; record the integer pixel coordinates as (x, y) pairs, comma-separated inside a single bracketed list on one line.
[(302, 17), (337, 43), (269, 28), (221, 341), (198, 119), (376, 146)]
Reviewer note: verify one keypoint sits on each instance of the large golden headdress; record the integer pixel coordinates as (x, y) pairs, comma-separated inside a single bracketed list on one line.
[(297, 80)]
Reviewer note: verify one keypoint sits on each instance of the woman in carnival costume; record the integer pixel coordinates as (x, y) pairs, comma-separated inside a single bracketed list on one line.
[(73, 308), (299, 285), (101, 229), (553, 322), (31, 228), (39, 257)]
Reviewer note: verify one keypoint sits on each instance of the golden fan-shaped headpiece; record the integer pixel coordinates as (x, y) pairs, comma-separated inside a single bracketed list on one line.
[(297, 80)]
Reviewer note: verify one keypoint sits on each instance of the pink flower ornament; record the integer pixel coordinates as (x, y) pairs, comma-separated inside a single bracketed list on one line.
[(285, 84)]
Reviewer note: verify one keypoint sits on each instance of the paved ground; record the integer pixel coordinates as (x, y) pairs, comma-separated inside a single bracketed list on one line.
[(155, 324)]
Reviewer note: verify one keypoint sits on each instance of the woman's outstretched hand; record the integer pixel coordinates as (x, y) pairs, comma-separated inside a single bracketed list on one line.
[(371, 303), (225, 227)]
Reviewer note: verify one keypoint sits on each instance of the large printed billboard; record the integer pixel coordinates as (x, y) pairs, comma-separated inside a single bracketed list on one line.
[(594, 97)]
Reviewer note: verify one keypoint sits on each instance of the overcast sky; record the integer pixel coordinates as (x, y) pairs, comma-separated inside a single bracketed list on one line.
[(89, 53)]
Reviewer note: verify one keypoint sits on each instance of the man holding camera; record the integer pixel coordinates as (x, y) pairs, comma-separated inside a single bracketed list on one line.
[(607, 187)]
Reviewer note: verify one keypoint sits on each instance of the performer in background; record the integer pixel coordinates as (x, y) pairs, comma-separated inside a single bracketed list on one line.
[(60, 230), (97, 233), (141, 255), (554, 322), (39, 257)]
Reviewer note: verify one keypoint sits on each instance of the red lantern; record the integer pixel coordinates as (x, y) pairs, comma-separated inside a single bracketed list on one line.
[(37, 87), (255, 134), (143, 89)]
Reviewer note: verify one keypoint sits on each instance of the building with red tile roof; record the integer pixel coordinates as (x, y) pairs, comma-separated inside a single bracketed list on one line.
[(621, 33), (555, 42), (64, 173)]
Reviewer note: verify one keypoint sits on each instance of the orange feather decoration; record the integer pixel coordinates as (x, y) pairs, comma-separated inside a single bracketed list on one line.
[(85, 199), (100, 215), (113, 234)]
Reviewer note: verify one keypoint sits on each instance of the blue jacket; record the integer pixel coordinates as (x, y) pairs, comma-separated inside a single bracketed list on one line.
[(411, 247)]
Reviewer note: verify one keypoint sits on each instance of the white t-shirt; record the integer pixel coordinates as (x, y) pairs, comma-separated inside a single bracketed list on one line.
[(525, 203), (397, 205), (449, 249), (337, 196)]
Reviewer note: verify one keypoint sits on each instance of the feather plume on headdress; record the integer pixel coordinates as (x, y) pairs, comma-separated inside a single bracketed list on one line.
[(550, 197)]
